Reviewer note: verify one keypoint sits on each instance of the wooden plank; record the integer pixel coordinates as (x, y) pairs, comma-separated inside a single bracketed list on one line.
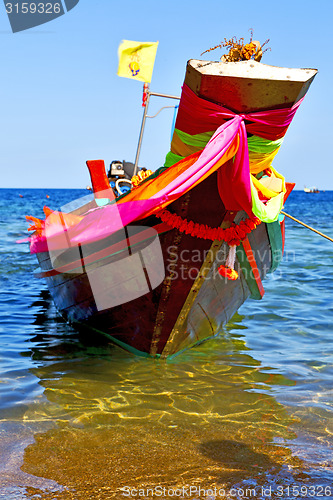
[(199, 281), (252, 274), (247, 91), (275, 236)]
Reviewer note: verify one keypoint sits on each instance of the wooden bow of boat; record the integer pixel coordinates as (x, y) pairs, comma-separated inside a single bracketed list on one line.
[(248, 86)]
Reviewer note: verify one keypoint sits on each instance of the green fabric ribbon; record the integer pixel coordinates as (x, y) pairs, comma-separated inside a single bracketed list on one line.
[(197, 140), (256, 145), (264, 146)]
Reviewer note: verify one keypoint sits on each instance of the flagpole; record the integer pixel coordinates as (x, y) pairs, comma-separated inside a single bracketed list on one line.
[(145, 103)]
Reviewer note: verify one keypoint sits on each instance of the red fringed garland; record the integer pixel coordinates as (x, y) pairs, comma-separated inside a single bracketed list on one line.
[(233, 235)]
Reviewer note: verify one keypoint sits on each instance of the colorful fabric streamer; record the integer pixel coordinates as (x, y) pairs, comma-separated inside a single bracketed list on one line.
[(227, 151), (196, 115)]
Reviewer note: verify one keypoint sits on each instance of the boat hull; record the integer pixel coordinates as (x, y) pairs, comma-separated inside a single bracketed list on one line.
[(192, 303)]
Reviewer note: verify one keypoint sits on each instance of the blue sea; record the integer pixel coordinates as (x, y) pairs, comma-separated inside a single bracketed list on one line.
[(248, 414)]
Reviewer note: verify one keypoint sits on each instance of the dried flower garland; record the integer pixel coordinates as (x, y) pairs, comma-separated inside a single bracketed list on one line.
[(233, 235), (238, 51)]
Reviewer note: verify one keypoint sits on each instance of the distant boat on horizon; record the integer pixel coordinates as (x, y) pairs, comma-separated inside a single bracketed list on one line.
[(311, 190)]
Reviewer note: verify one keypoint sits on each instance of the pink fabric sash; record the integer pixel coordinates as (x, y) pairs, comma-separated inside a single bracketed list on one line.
[(196, 115)]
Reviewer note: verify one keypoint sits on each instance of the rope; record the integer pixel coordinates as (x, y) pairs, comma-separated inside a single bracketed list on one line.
[(164, 107), (305, 225)]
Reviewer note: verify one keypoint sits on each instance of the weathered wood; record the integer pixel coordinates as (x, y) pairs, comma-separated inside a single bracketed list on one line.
[(247, 85)]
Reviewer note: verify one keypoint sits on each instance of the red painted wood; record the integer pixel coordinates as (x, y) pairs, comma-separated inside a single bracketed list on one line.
[(99, 180), (289, 187), (253, 264)]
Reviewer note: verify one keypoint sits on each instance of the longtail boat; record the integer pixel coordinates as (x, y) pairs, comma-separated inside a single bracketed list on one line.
[(165, 265)]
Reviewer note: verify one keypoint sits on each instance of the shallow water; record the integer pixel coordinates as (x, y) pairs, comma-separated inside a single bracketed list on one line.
[(245, 415)]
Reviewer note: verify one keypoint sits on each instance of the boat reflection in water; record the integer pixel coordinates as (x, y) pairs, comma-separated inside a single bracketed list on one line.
[(111, 420)]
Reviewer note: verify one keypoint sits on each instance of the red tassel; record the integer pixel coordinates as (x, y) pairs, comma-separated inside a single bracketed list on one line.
[(228, 270)]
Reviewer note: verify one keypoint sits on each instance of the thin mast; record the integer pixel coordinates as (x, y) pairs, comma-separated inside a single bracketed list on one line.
[(145, 103)]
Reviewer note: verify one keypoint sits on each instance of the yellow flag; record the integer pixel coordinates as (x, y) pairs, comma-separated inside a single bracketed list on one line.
[(136, 60)]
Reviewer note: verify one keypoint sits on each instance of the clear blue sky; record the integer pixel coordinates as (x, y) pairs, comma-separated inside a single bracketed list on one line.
[(63, 103)]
